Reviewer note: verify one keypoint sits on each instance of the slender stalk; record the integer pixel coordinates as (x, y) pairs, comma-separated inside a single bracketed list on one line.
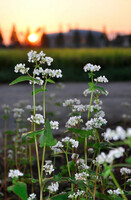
[(68, 167), (5, 161), (16, 143), (118, 186), (31, 171), (95, 182)]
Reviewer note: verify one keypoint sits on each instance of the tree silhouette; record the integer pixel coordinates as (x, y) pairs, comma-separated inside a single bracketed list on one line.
[(129, 38), (104, 40), (13, 38), (119, 40), (76, 39), (45, 40), (26, 41), (90, 40)]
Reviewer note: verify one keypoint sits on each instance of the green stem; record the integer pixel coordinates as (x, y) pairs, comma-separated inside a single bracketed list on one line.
[(16, 143), (5, 160), (118, 186), (31, 171), (42, 163), (68, 164)]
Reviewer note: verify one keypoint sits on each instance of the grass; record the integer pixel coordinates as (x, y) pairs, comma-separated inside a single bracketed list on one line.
[(115, 62)]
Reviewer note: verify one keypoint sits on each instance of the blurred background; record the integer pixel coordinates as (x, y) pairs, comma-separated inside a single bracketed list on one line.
[(73, 32)]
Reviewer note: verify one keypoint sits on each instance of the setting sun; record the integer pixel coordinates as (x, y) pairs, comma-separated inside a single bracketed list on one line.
[(33, 37)]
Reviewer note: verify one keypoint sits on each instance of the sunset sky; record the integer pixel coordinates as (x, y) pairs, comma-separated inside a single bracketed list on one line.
[(49, 14)]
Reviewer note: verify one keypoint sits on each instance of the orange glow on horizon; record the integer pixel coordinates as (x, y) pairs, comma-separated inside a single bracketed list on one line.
[(33, 38)]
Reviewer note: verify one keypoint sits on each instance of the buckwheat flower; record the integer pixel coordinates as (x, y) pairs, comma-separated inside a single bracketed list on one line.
[(36, 72), (101, 113), (32, 56), (74, 156), (92, 68), (95, 123), (6, 108), (101, 159), (125, 171), (118, 134), (80, 161), (127, 117), (74, 143), (48, 167), (79, 108), (98, 102), (38, 108), (53, 187), (54, 125), (66, 139), (38, 119), (86, 92), (91, 150), (101, 79), (128, 180), (70, 102), (77, 194), (81, 176), (57, 148), (21, 68), (115, 192), (10, 154), (73, 121), (18, 112), (14, 173), (129, 132), (32, 196), (48, 60), (83, 166), (28, 107)]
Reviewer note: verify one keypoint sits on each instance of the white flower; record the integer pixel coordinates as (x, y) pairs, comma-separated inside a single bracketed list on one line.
[(115, 192), (38, 108), (81, 176), (18, 112), (95, 123), (109, 158), (57, 147), (6, 108), (32, 196), (21, 68), (38, 119), (101, 113), (125, 171), (48, 60), (74, 156), (70, 102), (91, 150), (79, 108), (54, 124), (91, 67), (101, 79), (86, 92), (48, 167), (14, 173), (53, 187), (129, 180), (73, 142), (76, 195), (73, 121), (22, 130)]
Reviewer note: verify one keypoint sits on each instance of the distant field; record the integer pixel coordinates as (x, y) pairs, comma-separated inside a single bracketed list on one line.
[(115, 63)]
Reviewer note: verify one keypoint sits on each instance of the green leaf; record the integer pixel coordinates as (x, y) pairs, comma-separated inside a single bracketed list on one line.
[(50, 80), (46, 139), (82, 133), (38, 90), (33, 180), (19, 189), (100, 88), (21, 79), (128, 160), (60, 197), (102, 196), (31, 134), (106, 171)]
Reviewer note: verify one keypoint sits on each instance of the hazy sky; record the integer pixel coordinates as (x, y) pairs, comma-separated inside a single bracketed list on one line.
[(94, 14)]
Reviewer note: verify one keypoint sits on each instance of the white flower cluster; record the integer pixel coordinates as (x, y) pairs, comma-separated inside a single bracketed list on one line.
[(38, 119), (57, 147), (76, 195), (86, 92), (54, 124), (92, 68), (81, 164), (21, 68), (73, 142), (32, 196), (128, 180), (114, 192), (73, 121), (118, 134), (109, 158), (101, 113), (10, 154), (79, 108), (38, 71), (95, 123), (33, 57), (70, 102), (53, 187), (52, 73), (23, 130), (74, 156), (6, 108), (14, 173), (101, 79), (48, 167), (18, 112), (124, 170), (38, 81), (37, 108), (81, 176)]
